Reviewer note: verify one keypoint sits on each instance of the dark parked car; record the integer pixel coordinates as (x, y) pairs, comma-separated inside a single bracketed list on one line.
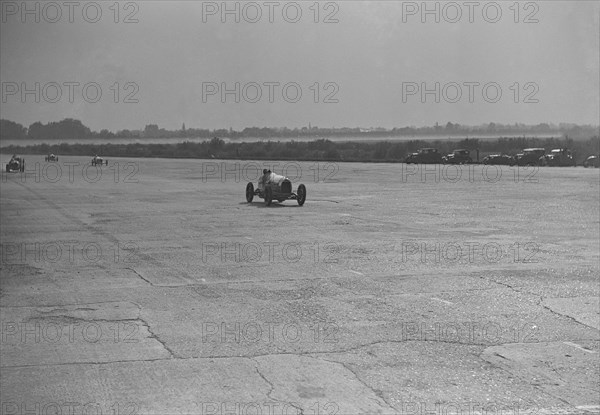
[(559, 157), (425, 156), (530, 157), (499, 159), (458, 157), (592, 161)]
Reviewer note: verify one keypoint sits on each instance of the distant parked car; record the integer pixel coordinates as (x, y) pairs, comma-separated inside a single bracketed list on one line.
[(458, 157), (51, 157), (499, 159), (592, 161), (558, 157), (425, 156), (529, 157)]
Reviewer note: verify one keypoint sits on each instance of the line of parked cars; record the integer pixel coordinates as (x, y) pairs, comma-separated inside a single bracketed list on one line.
[(433, 156), (558, 157)]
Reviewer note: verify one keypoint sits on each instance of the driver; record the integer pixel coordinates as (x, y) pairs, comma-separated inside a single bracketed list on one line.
[(264, 179)]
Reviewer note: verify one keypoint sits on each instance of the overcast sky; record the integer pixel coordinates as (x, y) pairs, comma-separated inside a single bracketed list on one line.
[(364, 58)]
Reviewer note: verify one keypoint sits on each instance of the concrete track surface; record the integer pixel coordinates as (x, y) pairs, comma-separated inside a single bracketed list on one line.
[(150, 286)]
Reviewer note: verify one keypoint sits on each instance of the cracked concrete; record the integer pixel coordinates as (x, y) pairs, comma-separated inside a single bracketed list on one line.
[(170, 327)]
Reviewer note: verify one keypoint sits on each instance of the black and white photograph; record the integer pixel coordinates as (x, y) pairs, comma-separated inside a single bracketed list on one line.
[(309, 207)]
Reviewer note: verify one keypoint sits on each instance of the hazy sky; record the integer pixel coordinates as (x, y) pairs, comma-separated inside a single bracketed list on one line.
[(373, 58)]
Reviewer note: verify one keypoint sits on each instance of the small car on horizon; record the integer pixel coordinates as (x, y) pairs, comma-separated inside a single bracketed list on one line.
[(592, 161), (424, 156), (99, 161), (529, 157), (272, 187), (460, 156), (558, 157), (498, 160), (51, 157)]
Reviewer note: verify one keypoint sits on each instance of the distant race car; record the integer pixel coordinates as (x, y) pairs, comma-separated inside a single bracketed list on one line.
[(99, 160), (425, 156), (51, 157), (272, 186), (458, 157), (592, 161), (498, 159), (15, 164)]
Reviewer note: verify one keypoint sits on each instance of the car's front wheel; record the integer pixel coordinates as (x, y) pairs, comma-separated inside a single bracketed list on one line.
[(301, 194), (249, 192)]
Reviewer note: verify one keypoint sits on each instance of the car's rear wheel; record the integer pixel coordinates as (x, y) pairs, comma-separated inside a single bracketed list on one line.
[(268, 196), (301, 194), (249, 192), (22, 166)]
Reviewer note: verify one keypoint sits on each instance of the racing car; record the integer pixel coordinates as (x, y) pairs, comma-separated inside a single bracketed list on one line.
[(272, 186), (15, 164), (51, 157), (99, 160)]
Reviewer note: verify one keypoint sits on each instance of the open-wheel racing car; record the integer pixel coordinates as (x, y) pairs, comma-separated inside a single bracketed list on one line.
[(272, 187), (15, 164), (99, 160), (51, 157)]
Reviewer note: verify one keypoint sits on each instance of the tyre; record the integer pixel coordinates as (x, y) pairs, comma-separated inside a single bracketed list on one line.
[(7, 169), (22, 166), (249, 192), (301, 194), (268, 196)]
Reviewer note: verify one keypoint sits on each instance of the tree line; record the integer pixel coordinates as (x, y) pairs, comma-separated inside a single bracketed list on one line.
[(70, 128)]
